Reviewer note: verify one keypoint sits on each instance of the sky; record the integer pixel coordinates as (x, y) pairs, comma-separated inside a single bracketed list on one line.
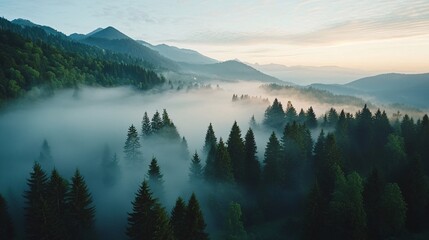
[(371, 35)]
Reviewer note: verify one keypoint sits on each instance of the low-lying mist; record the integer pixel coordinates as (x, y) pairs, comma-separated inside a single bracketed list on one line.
[(77, 126)]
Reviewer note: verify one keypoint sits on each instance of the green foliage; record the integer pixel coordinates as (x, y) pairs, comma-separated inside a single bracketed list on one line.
[(314, 214), (36, 204), (194, 221), (132, 146), (146, 126), (6, 226), (393, 210), (57, 192), (347, 218), (272, 172), (155, 178), (274, 115), (177, 219), (234, 223), (196, 170), (222, 167), (236, 152), (81, 211), (30, 58), (311, 120), (252, 168), (148, 220)]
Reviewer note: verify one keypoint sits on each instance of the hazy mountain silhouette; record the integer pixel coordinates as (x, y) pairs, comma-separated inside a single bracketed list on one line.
[(409, 89), (180, 54), (28, 23)]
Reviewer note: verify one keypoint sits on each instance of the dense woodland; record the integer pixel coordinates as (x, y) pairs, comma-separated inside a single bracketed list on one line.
[(364, 177), (31, 58)]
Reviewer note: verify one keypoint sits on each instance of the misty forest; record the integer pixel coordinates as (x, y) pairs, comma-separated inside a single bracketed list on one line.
[(107, 137)]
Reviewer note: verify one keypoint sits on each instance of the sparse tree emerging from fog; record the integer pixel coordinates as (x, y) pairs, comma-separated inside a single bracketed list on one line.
[(236, 152), (132, 146), (45, 157), (146, 126), (252, 168), (196, 170), (155, 178)]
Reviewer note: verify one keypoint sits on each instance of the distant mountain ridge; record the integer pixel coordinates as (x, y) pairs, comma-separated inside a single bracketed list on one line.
[(410, 89)]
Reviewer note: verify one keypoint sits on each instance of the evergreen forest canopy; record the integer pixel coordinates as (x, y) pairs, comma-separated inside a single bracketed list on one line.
[(31, 58), (363, 177)]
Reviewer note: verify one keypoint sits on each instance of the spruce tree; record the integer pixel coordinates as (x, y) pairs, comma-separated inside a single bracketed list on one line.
[(177, 219), (194, 221), (148, 219), (252, 168), (373, 190), (234, 223), (301, 117), (132, 146), (57, 191), (156, 123), (314, 214), (6, 226), (290, 113), (222, 165), (311, 121), (196, 170), (155, 178), (393, 211), (146, 126), (81, 211), (36, 205), (184, 148), (272, 174), (236, 152), (274, 116), (210, 145)]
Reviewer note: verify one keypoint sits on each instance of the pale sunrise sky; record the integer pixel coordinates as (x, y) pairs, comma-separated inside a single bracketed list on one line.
[(372, 35)]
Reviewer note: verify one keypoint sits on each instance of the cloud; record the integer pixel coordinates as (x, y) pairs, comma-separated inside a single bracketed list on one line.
[(410, 23)]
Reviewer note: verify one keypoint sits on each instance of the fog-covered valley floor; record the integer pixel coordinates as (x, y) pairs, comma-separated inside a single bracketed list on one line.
[(77, 126)]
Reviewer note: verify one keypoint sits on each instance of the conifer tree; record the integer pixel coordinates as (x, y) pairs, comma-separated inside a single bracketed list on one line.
[(196, 170), (148, 219), (146, 126), (274, 116), (36, 204), (252, 168), (177, 219), (81, 211), (346, 211), (272, 174), (194, 221), (234, 223), (184, 147), (209, 149), (236, 152), (311, 121), (156, 123), (57, 191), (393, 211), (222, 164), (132, 146), (290, 113), (6, 226), (155, 178), (301, 117), (314, 214), (373, 190), (252, 122), (168, 130)]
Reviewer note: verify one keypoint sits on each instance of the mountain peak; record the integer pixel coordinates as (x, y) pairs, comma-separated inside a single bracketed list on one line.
[(109, 33)]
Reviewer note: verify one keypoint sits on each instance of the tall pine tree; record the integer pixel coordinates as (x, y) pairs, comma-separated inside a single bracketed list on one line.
[(196, 170), (148, 220), (252, 167), (132, 146), (36, 205), (146, 126), (177, 219), (155, 178), (80, 209), (194, 221), (272, 174), (6, 226), (236, 152)]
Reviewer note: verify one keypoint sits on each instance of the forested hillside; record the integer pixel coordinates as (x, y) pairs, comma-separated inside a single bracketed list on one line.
[(30, 58)]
